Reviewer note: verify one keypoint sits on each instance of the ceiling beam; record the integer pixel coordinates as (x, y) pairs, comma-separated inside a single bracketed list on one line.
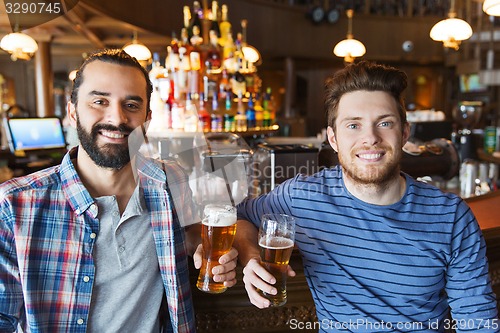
[(78, 24)]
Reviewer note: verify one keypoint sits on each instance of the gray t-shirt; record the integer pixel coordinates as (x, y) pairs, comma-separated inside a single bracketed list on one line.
[(128, 289)]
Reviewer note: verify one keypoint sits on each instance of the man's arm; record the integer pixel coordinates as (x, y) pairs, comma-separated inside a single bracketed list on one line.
[(472, 301), (255, 276)]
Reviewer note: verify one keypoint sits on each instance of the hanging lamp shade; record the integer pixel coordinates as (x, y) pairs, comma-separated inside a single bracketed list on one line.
[(451, 31), (137, 50), (349, 48), (19, 45), (492, 7)]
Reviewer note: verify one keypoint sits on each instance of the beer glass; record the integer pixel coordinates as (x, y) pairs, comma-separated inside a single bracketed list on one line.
[(217, 233), (276, 238)]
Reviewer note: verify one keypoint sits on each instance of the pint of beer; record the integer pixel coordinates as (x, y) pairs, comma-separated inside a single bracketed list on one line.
[(217, 234), (276, 238)]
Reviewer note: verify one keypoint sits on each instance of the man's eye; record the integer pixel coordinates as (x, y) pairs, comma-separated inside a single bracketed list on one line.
[(132, 106), (352, 126), (386, 124)]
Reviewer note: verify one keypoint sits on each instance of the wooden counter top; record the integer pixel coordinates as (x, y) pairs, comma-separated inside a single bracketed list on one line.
[(485, 209)]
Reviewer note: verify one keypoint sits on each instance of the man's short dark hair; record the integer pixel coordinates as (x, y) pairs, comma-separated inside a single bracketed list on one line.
[(114, 56), (368, 76)]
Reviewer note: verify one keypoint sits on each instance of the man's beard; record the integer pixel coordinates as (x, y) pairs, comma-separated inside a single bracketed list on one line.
[(112, 156), (378, 175)]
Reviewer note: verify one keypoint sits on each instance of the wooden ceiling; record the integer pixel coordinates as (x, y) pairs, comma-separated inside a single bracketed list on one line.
[(81, 30), (277, 28)]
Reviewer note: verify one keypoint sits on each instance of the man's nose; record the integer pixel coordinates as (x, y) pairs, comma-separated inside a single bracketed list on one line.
[(371, 135), (117, 115)]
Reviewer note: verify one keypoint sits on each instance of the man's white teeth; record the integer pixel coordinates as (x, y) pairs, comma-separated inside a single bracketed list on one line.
[(370, 156), (113, 135)]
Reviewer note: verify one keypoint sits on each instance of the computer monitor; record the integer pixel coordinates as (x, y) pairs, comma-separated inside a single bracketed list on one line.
[(37, 135)]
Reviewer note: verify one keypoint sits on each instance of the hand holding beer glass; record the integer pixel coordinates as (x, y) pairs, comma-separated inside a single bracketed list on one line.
[(217, 234), (276, 238)]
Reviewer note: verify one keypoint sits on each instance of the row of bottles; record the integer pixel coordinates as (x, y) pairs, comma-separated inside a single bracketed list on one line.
[(224, 113), (208, 86)]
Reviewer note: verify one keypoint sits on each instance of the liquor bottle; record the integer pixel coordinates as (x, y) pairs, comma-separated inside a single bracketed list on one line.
[(157, 105), (216, 117), (178, 113), (259, 113), (170, 104), (209, 82), (214, 54), (224, 85), (196, 18), (214, 25), (229, 124), (197, 39), (157, 70), (228, 51), (159, 77), (187, 17), (174, 42), (237, 80), (250, 113), (224, 27), (182, 72), (185, 42), (190, 116), (172, 59), (268, 112), (204, 121), (240, 119)]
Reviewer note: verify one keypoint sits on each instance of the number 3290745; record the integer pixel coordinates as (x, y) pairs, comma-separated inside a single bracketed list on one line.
[(469, 324), (32, 7)]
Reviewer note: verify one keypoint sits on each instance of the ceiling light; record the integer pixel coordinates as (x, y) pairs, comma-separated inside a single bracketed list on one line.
[(349, 48), (451, 31), (72, 75), (250, 53), (137, 50), (19, 45), (492, 7)]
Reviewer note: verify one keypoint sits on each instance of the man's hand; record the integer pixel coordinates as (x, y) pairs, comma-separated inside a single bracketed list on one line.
[(225, 272), (257, 277)]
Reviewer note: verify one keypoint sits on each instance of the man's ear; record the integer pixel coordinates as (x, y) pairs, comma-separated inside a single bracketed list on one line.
[(406, 133), (330, 134), (71, 111)]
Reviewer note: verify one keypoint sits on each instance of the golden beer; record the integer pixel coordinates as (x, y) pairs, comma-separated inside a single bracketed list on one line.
[(275, 253), (217, 233)]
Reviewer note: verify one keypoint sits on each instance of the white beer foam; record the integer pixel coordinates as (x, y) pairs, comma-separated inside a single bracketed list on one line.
[(277, 243), (219, 215)]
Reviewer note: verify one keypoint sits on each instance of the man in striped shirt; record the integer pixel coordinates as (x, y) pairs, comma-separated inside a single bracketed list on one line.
[(98, 243), (382, 252)]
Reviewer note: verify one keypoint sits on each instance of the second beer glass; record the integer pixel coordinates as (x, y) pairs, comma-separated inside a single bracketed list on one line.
[(217, 233), (276, 238)]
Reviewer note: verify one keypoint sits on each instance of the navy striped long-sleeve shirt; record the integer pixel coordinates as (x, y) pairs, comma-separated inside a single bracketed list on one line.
[(395, 268)]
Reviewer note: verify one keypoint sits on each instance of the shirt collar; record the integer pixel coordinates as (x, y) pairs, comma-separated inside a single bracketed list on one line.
[(78, 196)]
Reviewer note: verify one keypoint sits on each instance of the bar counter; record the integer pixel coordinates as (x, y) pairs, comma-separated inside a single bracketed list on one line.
[(232, 312)]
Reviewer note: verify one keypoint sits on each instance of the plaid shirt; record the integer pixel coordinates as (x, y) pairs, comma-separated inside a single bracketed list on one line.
[(48, 226)]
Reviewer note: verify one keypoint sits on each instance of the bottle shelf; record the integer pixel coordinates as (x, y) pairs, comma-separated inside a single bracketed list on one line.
[(172, 134)]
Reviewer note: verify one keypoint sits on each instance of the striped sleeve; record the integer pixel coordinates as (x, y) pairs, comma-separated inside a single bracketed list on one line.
[(472, 302)]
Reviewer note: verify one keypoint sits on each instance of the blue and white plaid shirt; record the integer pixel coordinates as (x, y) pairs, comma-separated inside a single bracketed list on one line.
[(48, 226)]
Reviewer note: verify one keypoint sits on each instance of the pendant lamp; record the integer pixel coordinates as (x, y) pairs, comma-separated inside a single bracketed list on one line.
[(349, 48), (451, 31)]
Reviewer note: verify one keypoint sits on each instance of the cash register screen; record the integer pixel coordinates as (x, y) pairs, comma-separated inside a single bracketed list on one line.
[(35, 134)]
